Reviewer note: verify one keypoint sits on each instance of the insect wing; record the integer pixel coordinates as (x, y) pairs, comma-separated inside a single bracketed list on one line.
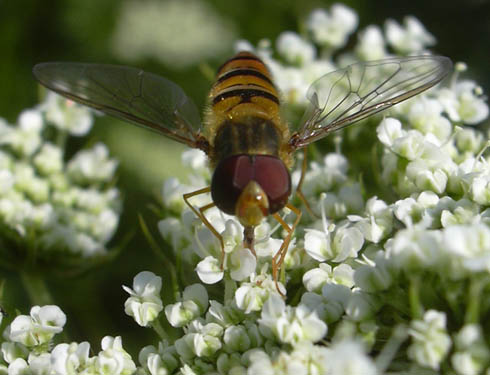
[(127, 93), (345, 96)]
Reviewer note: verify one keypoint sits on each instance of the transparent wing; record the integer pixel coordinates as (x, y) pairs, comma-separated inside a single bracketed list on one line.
[(127, 93), (345, 96)]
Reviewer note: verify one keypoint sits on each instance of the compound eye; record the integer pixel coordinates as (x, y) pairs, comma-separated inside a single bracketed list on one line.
[(229, 179), (235, 172), (274, 178)]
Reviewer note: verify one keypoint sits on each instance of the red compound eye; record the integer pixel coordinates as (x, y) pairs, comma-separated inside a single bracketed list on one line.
[(235, 172)]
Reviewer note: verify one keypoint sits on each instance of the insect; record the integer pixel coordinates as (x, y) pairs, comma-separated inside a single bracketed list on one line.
[(249, 145)]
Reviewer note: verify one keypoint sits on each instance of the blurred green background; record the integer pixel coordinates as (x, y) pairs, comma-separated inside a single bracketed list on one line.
[(178, 39)]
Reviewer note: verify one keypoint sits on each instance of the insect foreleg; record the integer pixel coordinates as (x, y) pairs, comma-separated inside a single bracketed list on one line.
[(200, 214), (278, 258)]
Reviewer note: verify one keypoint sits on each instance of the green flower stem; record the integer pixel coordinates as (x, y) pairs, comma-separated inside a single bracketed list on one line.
[(388, 353), (61, 138), (472, 314), (162, 256), (230, 287), (36, 288), (157, 326), (414, 297)]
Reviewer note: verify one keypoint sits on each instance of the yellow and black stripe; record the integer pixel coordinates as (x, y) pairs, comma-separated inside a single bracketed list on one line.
[(244, 116), (243, 79)]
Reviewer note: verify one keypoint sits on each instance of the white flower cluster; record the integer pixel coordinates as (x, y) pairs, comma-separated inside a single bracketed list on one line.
[(389, 273), (371, 255), (28, 349), (64, 206), (225, 339)]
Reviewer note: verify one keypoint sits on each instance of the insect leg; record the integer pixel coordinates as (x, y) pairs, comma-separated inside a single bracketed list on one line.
[(249, 239), (200, 214), (278, 258), (299, 192)]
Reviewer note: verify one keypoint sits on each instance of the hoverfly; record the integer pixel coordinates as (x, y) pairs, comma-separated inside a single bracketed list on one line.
[(249, 146)]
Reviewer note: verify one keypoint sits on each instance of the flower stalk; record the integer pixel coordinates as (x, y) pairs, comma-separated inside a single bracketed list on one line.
[(36, 287)]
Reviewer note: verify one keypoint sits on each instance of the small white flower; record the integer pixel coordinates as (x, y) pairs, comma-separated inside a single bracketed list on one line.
[(260, 363), (407, 210), (224, 315), (49, 159), (236, 339), (468, 244), (113, 359), (209, 270), (371, 44), (479, 187), (332, 29), (426, 116), (67, 115), (197, 160), (239, 261), (13, 350), (430, 341), (159, 362), (70, 359), (290, 324), (36, 188), (427, 178), (24, 140), (416, 248), (40, 364), (411, 38), (38, 328), (303, 359), (265, 245), (469, 140), (348, 357), (464, 102), (194, 304), (92, 165), (19, 367), (378, 222), (294, 49), (471, 352), (315, 278), (348, 240), (172, 192), (330, 305), (376, 277), (409, 146), (31, 120), (318, 244), (324, 177), (243, 45), (230, 364), (361, 305), (145, 304), (388, 130), (251, 296), (292, 83), (201, 341)]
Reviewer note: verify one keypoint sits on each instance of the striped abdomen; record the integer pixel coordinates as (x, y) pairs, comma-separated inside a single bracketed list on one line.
[(244, 116), (243, 79)]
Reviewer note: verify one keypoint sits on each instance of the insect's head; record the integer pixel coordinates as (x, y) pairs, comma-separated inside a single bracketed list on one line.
[(250, 187)]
